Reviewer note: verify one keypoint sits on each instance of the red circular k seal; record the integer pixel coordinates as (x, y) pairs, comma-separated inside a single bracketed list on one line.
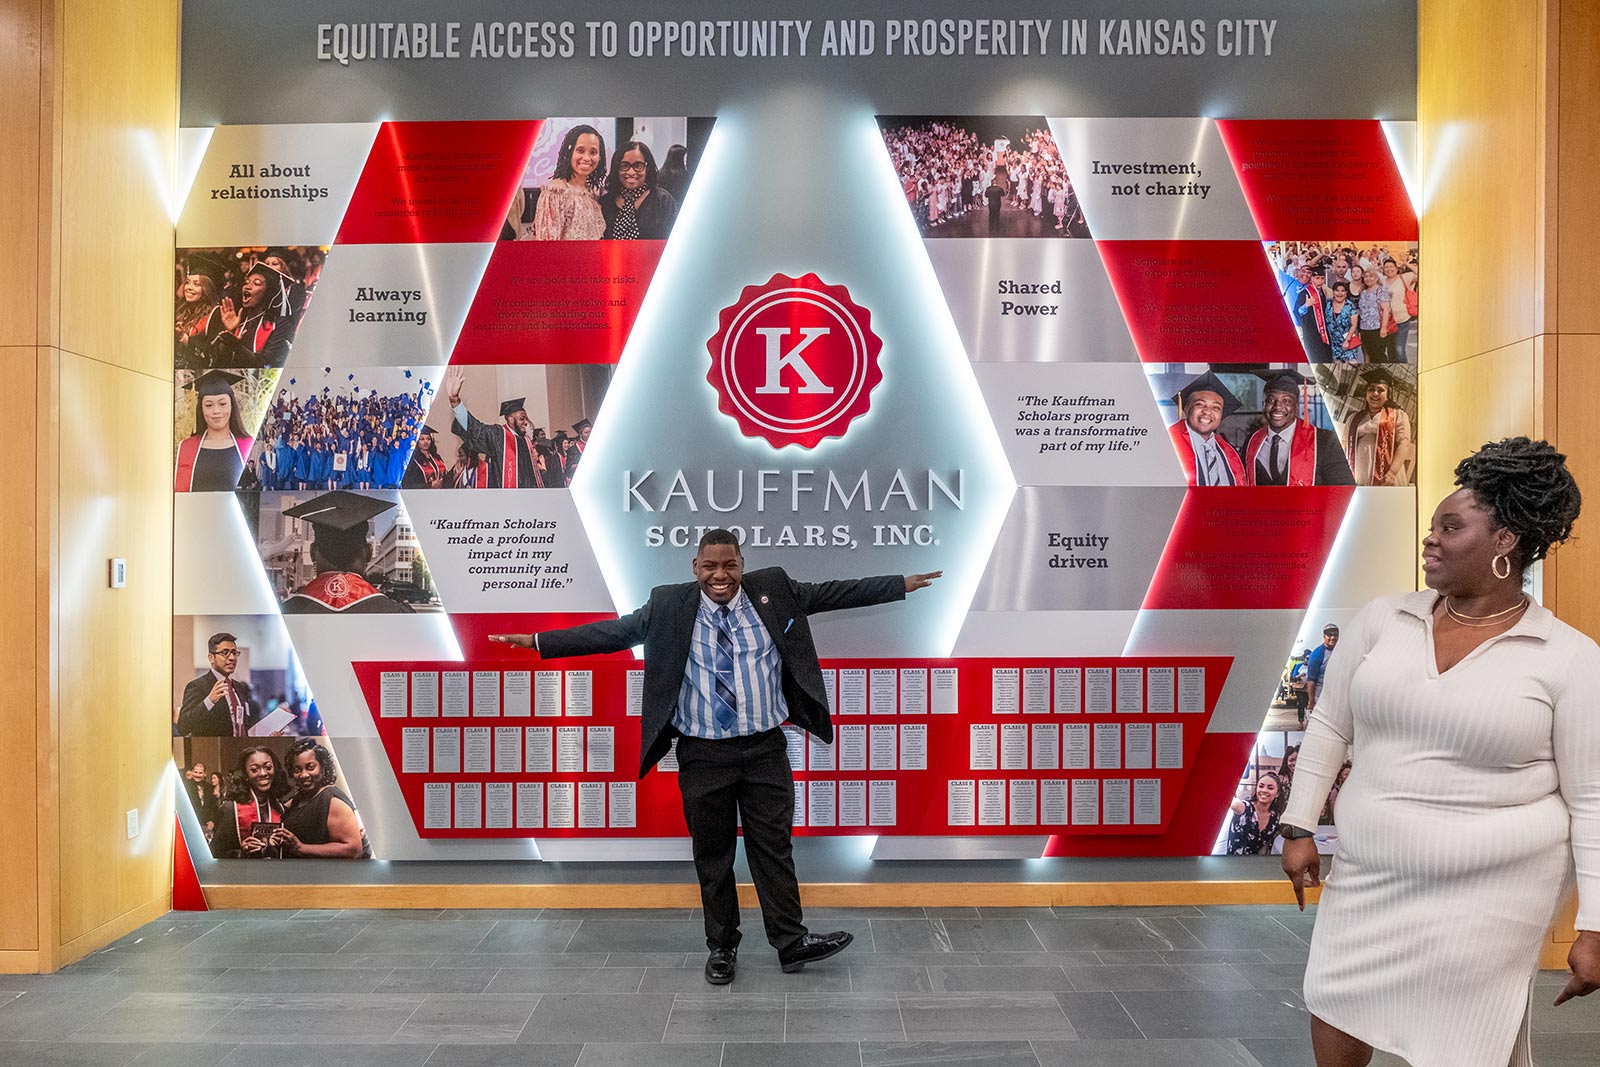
[(794, 361)]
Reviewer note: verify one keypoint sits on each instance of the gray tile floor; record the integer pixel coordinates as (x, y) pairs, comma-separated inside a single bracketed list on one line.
[(1032, 987)]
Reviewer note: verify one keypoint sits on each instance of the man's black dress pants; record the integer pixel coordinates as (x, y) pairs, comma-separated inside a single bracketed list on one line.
[(724, 782)]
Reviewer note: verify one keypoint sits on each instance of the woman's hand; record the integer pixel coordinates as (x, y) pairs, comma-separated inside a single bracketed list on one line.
[(1584, 960), (230, 314), (1303, 866), (284, 837), (252, 846)]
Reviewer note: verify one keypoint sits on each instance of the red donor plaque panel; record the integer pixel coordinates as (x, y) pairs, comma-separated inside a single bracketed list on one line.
[(438, 182), (557, 302), (794, 361), (520, 747), (1201, 302), (1303, 179), (1248, 548)]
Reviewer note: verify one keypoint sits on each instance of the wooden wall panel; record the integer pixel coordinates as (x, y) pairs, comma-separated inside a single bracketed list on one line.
[(115, 741), (1481, 141), (1572, 577), (1577, 161), (1467, 402), (21, 57), (119, 75), (19, 662)]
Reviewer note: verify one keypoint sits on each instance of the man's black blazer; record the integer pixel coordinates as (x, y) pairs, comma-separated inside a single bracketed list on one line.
[(196, 720), (665, 626)]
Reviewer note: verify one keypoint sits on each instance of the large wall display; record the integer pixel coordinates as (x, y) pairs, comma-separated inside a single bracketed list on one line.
[(479, 325)]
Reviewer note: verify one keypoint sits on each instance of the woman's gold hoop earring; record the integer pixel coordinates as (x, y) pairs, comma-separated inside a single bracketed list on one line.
[(1495, 566)]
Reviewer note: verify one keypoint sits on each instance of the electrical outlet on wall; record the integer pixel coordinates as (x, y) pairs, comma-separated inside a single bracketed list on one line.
[(133, 823)]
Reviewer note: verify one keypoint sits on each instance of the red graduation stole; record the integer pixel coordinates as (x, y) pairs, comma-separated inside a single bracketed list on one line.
[(247, 815), (431, 468), (338, 590), (1316, 308), (1302, 454), (189, 452), (1186, 457), (508, 465)]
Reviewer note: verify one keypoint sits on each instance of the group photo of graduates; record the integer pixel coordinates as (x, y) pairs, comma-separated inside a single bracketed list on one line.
[(340, 429)]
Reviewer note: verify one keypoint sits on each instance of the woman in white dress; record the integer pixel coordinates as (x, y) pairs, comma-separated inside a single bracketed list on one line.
[(1475, 789)]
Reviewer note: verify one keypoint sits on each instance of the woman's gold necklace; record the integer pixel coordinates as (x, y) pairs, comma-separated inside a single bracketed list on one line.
[(1484, 620)]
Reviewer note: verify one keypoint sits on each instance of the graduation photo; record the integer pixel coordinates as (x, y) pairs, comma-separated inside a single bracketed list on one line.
[(504, 427), (341, 553), (216, 414), (1242, 425), (338, 428), (240, 307)]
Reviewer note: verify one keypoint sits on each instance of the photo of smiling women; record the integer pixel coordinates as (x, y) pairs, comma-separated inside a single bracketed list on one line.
[(635, 206), (569, 203)]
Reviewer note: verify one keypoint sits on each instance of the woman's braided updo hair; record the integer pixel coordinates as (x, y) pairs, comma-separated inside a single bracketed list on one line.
[(1527, 488)]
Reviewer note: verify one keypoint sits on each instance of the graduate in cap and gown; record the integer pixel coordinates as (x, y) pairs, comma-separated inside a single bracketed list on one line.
[(427, 469), (1207, 459), (212, 458), (258, 332), (340, 551), (1377, 435), (512, 461), (1290, 449), (200, 296)]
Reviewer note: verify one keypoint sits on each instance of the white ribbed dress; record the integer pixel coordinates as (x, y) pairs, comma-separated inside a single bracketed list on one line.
[(1471, 796)]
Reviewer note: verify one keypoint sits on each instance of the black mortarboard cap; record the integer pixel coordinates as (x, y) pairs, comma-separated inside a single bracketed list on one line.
[(1282, 380), (279, 252), (206, 266), (339, 510), (578, 426), (1378, 376), (340, 518), (214, 383), (282, 290), (429, 430), (507, 407), (1209, 383)]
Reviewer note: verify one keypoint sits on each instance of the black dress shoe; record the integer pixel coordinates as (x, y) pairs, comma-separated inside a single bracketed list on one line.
[(813, 948), (720, 965)]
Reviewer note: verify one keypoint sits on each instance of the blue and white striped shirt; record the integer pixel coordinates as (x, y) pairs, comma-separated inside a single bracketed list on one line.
[(757, 680)]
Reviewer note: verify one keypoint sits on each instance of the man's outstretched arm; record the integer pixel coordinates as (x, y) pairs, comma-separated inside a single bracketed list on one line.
[(590, 639), (859, 592)]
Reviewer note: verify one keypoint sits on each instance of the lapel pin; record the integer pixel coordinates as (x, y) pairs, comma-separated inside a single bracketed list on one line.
[(763, 600)]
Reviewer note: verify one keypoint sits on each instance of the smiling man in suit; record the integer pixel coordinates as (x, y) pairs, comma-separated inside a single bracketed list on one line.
[(728, 658), (217, 704)]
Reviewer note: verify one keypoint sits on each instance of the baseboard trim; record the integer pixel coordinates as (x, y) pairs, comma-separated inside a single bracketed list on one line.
[(860, 895), (92, 940), (19, 961)]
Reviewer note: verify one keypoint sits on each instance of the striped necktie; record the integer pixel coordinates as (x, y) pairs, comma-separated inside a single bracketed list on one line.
[(726, 702), (1213, 474)]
